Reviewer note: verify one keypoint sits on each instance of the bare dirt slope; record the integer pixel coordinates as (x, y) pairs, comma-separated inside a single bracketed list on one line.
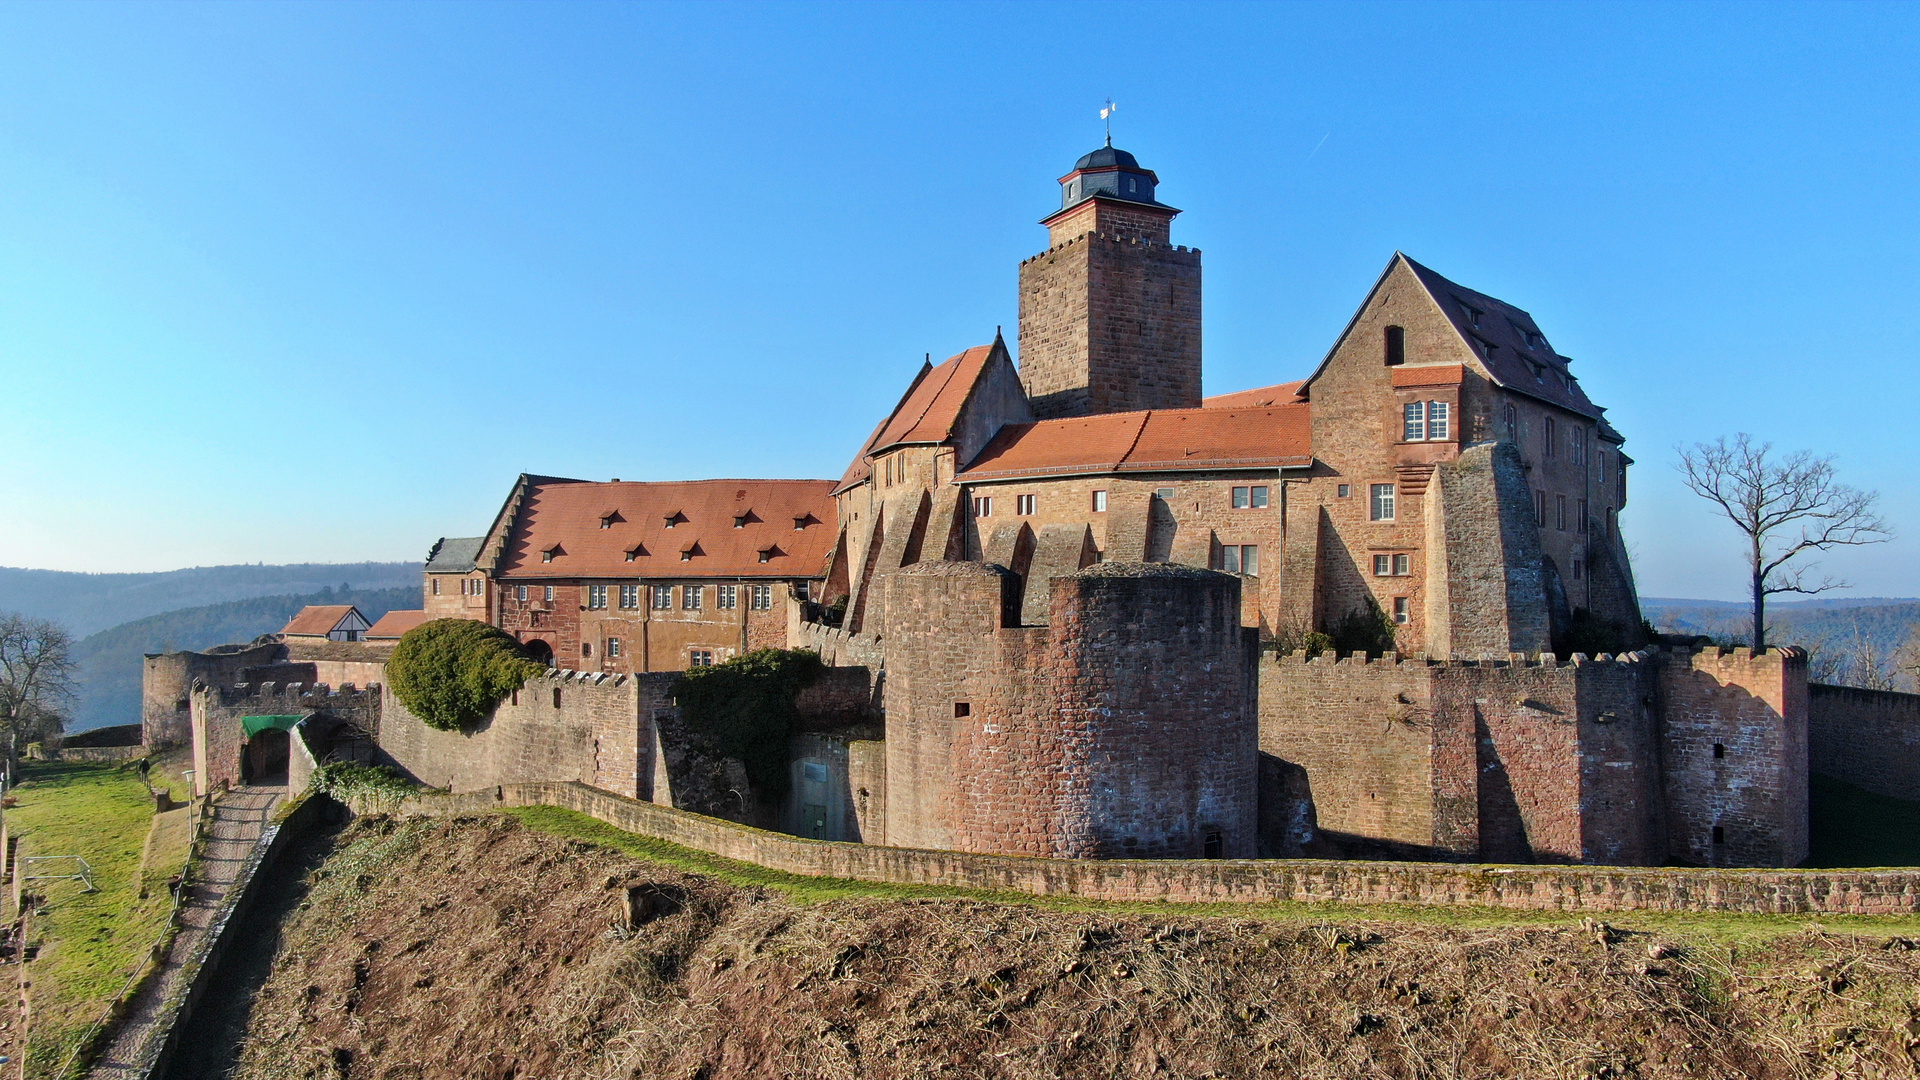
[(478, 948)]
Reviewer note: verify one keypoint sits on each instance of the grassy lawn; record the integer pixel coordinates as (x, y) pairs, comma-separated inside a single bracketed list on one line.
[(1713, 926), (1854, 827), (89, 942)]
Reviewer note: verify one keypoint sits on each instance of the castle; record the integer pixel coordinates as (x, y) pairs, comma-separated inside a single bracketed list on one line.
[(1076, 609)]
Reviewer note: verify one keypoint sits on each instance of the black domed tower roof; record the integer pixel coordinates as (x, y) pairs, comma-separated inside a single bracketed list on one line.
[(1109, 173)]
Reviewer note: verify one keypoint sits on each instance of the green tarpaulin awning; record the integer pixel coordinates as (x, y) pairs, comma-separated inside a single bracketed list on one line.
[(254, 725)]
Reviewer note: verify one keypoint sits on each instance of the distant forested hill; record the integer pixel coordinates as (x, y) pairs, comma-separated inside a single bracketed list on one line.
[(1836, 632), (85, 603), (111, 661)]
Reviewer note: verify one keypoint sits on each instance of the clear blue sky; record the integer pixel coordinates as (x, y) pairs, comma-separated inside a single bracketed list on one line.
[(315, 282)]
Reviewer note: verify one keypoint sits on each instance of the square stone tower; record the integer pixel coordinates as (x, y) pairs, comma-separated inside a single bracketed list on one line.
[(1110, 312)]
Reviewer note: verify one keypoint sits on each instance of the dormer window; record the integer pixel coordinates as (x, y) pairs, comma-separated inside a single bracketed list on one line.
[(611, 518), (636, 551), (769, 553), (1472, 313), (549, 554), (744, 518), (687, 553), (676, 518), (804, 520)]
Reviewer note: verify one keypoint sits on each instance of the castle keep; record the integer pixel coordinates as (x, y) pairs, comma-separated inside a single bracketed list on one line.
[(1074, 608)]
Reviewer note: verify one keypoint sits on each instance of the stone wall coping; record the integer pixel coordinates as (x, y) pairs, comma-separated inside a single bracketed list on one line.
[(1548, 888), (836, 633), (1511, 660), (1110, 238), (562, 676), (239, 692)]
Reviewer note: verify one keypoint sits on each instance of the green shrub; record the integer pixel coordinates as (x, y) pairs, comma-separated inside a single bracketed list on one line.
[(744, 709), (452, 672), (1369, 630), (366, 788)]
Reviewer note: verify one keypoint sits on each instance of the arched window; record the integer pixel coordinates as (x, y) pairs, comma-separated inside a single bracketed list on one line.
[(1396, 346)]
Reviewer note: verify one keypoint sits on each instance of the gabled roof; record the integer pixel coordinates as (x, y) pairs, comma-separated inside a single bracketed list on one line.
[(393, 624), (1279, 394), (565, 516), (454, 554), (319, 620), (1163, 440), (928, 412), (1503, 339)]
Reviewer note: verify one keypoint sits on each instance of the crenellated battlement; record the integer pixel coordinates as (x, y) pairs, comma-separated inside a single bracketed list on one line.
[(1129, 241), (316, 696), (1511, 660)]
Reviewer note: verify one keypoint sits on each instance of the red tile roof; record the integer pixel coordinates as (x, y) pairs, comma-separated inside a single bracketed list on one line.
[(564, 516), (927, 413), (1167, 440), (317, 620), (1430, 375), (1279, 394), (395, 623)]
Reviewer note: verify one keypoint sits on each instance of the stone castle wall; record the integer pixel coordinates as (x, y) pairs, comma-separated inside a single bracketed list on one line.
[(166, 687), (1868, 738), (1124, 727), (1735, 756), (219, 741)]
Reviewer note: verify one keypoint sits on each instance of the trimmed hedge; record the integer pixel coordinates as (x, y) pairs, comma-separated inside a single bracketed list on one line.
[(744, 708), (452, 672)]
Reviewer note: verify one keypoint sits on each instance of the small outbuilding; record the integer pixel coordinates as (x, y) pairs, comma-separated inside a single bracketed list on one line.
[(327, 622)]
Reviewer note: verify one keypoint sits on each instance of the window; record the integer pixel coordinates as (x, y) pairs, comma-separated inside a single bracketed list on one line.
[(962, 708), (1414, 428), (1344, 490), (1547, 437), (547, 555), (556, 697), (1164, 493), (762, 599), (1581, 525), (1396, 346), (690, 597), (613, 646), (700, 658), (596, 598), (1213, 846), (1023, 504), (982, 506), (1250, 498), (1719, 751), (802, 589), (1579, 570), (1513, 422), (729, 597), (519, 592), (549, 594), (1099, 502), (586, 648), (1577, 446), (1620, 484), (1402, 610), (1380, 507), (1719, 834), (1402, 565), (1392, 565), (1540, 508), (636, 551), (1609, 522), (436, 586), (663, 598), (629, 597), (607, 520), (1560, 512), (768, 553), (1240, 559), (675, 518), (1437, 419)]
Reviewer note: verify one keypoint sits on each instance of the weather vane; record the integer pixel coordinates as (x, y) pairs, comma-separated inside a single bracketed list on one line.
[(1107, 115)]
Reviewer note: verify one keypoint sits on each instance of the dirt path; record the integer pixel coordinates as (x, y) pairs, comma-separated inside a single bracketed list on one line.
[(238, 822)]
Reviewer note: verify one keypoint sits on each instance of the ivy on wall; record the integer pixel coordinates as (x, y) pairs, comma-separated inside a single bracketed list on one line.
[(744, 709), (451, 673)]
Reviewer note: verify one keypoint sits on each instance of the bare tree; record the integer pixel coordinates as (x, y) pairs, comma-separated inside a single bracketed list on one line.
[(36, 676), (1906, 662), (1786, 507)]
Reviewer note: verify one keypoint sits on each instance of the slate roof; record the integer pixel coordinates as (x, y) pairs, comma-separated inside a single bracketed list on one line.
[(926, 414), (393, 624), (591, 527), (454, 554), (319, 620), (1161, 440)]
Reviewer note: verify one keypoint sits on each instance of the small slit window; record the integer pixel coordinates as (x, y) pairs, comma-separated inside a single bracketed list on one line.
[(962, 708), (1719, 751), (1396, 346)]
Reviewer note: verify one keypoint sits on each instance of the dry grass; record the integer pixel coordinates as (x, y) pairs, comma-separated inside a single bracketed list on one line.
[(480, 948)]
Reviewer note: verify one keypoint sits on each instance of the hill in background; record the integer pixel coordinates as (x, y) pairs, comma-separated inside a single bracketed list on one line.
[(1838, 633), (111, 662), (87, 603)]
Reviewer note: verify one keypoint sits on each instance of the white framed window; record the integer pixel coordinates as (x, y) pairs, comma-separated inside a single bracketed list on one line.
[(613, 646), (1392, 565), (728, 597), (1163, 493), (1402, 610), (520, 592), (547, 555), (1540, 508), (549, 594), (1577, 446), (1439, 419), (700, 658), (663, 598), (1023, 504), (629, 597), (1414, 421), (1343, 491), (1402, 565), (436, 586), (1240, 559), (1380, 502), (762, 598), (596, 598), (1250, 498), (1099, 502), (982, 506), (690, 596), (1560, 512)]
